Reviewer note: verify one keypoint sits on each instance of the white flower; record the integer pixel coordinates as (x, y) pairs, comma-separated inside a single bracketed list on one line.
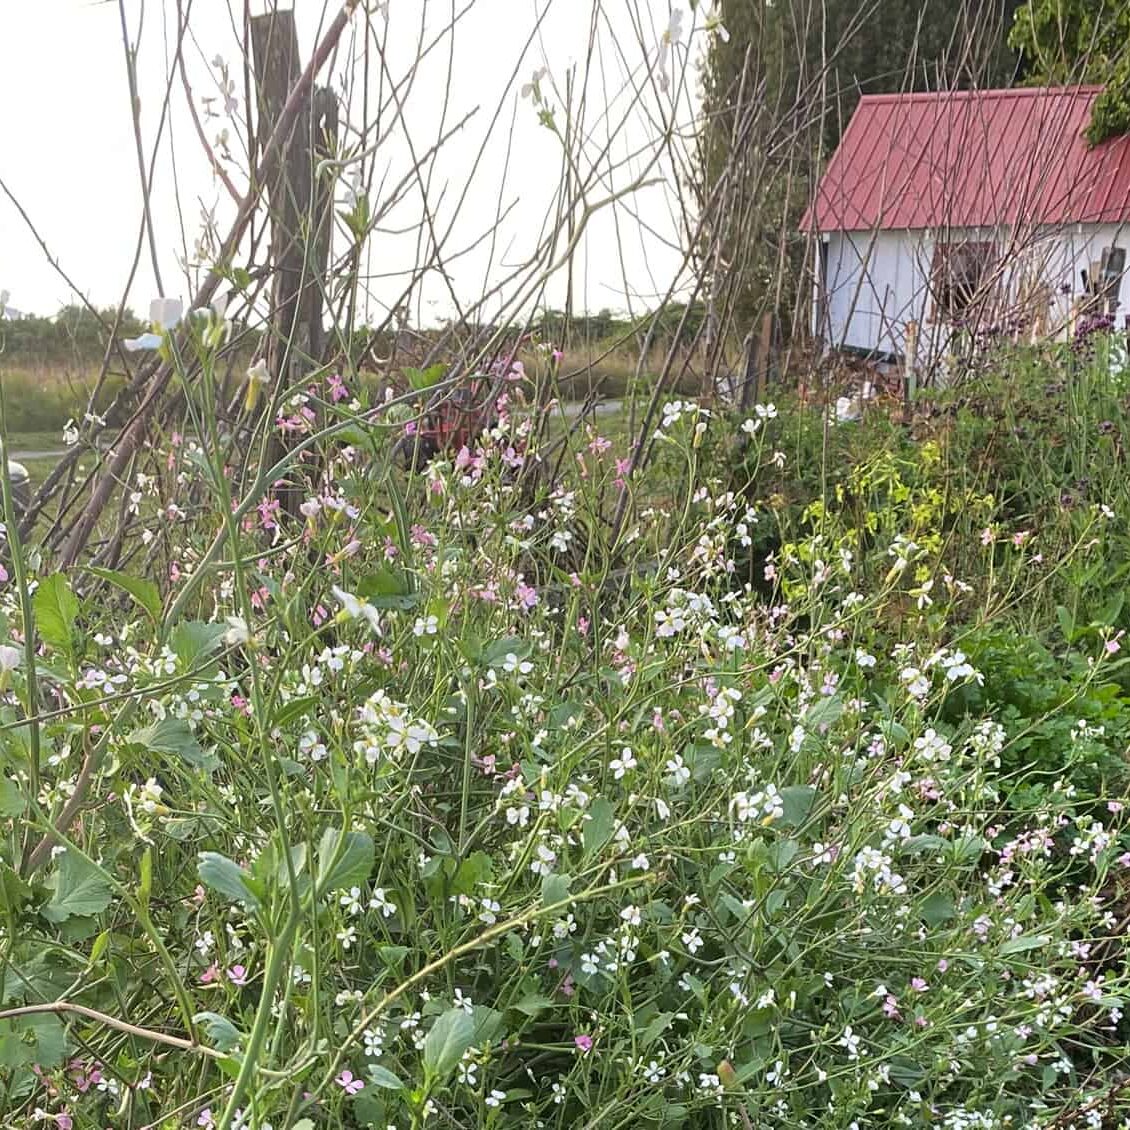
[(680, 774), (145, 341), (354, 608), (425, 626), (351, 900), (692, 941), (670, 37), (495, 1098), (10, 658), (529, 89), (166, 312), (238, 632), (380, 902), (623, 764), (511, 664)]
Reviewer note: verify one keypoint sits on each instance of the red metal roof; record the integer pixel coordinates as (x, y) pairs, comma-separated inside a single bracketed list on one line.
[(973, 159)]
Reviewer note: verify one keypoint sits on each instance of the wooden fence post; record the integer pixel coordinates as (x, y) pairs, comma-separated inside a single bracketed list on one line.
[(910, 362), (301, 210)]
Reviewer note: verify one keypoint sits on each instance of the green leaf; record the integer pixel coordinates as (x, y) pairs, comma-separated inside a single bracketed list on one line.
[(421, 379), (451, 1035), (381, 1077), (14, 892), (144, 592), (1066, 622), (1023, 943), (656, 1028), (353, 863), (11, 799), (193, 640), (937, 908), (171, 735), (494, 654), (555, 888), (823, 712), (80, 890), (227, 877), (797, 801), (56, 610), (532, 1004), (222, 1034), (598, 826), (32, 1039)]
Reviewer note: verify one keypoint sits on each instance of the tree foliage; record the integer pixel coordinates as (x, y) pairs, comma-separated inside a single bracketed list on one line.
[(1071, 41), (807, 62)]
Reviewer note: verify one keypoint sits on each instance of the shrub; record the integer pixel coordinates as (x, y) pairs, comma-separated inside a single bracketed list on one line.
[(451, 802)]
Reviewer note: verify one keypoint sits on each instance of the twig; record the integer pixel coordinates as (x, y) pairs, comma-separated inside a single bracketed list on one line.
[(130, 440), (58, 1007)]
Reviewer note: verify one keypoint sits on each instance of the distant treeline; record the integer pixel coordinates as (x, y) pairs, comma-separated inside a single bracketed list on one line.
[(76, 336)]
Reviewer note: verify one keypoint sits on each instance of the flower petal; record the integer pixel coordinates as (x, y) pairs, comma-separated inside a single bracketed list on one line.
[(146, 341)]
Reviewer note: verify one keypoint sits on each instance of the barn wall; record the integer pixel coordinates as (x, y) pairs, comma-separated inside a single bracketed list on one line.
[(875, 285), (877, 282)]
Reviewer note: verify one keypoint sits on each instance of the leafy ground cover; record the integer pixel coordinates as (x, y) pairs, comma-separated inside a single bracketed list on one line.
[(779, 784)]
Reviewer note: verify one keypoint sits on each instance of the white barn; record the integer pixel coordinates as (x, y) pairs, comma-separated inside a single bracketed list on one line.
[(955, 212)]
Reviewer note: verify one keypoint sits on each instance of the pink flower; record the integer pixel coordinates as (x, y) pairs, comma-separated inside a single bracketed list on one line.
[(890, 1007), (210, 974), (584, 1043), (943, 965), (64, 1121), (1114, 806), (918, 984), (348, 1083), (237, 975), (557, 355), (527, 596), (206, 1120)]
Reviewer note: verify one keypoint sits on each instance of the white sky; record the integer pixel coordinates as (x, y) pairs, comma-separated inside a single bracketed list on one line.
[(69, 158)]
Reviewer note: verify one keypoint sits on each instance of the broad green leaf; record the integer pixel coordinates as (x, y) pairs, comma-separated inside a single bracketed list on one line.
[(1023, 943), (1066, 622), (381, 1077), (171, 735), (227, 877), (421, 379), (11, 799), (494, 654), (56, 610), (823, 712), (144, 592), (937, 908), (488, 1024), (14, 892), (80, 890), (40, 1040), (797, 801), (555, 889), (451, 1035), (598, 826), (532, 1004), (353, 862), (222, 1034), (656, 1028), (193, 640)]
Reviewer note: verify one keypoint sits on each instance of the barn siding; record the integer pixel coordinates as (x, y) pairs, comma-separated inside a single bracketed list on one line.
[(877, 282)]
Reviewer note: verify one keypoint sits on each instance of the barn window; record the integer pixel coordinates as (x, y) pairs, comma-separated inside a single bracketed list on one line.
[(959, 274)]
